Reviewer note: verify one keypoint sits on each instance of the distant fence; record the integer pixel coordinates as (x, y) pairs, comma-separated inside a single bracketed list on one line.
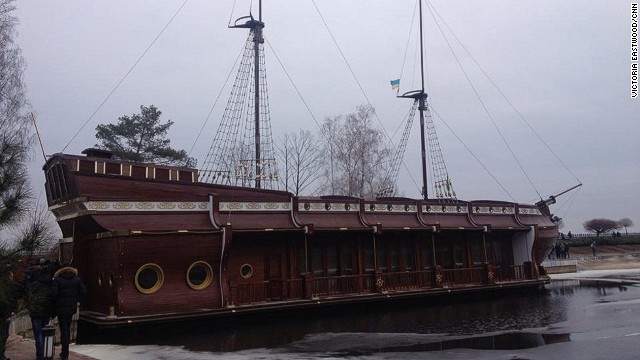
[(589, 235), (560, 266), (578, 240)]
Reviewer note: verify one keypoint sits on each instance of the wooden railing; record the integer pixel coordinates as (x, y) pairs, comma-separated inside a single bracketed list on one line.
[(468, 276), (312, 287), (251, 293), (513, 272), (346, 284), (405, 280)]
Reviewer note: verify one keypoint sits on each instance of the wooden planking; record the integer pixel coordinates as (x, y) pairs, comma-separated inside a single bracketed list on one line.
[(174, 254)]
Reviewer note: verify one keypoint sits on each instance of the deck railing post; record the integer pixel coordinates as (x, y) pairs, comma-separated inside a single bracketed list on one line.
[(489, 274), (307, 281), (378, 281), (438, 277)]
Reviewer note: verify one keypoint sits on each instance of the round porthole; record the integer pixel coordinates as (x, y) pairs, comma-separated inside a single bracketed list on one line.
[(347, 207), (149, 278), (100, 276), (246, 271), (199, 275), (112, 279)]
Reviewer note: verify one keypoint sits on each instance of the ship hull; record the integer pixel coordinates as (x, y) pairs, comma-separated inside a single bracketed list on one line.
[(152, 244)]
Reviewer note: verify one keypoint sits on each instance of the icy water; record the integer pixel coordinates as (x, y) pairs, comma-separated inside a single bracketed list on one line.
[(579, 317)]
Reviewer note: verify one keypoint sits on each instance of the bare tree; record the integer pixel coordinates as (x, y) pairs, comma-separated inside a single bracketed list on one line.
[(625, 222), (600, 226), (356, 155), (302, 159), (23, 226)]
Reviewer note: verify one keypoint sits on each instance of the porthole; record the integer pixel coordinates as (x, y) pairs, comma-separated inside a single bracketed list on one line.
[(199, 275), (149, 278), (347, 207), (327, 206), (112, 279), (246, 271), (307, 206), (100, 276), (372, 207)]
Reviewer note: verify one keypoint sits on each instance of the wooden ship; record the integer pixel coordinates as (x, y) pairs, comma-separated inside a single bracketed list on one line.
[(157, 243)]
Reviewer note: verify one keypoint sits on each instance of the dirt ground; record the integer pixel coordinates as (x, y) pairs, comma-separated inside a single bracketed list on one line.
[(608, 257)]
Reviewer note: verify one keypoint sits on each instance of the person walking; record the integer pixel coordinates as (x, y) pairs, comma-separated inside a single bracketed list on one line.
[(10, 292), (593, 248), (39, 297), (70, 290)]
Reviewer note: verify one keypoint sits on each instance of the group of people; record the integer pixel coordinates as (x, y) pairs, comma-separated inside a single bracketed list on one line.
[(559, 251), (49, 290)]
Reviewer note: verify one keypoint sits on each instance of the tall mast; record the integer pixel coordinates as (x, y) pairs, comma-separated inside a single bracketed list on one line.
[(257, 40), (422, 108), (242, 152), (420, 96)]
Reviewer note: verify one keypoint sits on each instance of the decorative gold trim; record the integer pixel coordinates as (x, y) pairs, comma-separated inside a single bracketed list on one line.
[(145, 206), (255, 206), (328, 207), (391, 208), (207, 281), (442, 209), (158, 283), (529, 211)]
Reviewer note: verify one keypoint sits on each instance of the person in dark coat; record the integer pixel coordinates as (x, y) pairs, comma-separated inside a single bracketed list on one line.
[(40, 295), (10, 292), (70, 291)]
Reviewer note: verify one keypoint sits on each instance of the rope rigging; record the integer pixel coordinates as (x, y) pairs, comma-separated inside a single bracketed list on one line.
[(231, 159)]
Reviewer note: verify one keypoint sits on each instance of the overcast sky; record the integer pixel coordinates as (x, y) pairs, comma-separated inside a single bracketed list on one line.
[(565, 65)]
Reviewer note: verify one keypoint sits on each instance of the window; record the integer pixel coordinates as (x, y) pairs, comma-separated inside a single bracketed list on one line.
[(199, 275), (149, 278), (246, 271)]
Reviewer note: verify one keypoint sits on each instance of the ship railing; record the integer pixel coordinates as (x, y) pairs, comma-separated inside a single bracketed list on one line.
[(272, 290), (408, 280), (465, 276), (336, 285), (514, 272), (248, 293)]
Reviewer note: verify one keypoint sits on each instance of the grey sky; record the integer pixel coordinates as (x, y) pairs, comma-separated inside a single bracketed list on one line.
[(565, 65)]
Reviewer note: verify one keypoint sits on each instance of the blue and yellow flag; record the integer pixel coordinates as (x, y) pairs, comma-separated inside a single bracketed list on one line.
[(395, 84)]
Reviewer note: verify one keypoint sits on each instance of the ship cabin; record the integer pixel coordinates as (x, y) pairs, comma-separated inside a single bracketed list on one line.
[(152, 243)]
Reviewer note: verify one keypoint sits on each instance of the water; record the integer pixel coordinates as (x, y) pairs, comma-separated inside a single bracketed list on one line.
[(565, 311)]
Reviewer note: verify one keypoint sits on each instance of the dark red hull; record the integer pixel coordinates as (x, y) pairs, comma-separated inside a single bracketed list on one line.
[(153, 244)]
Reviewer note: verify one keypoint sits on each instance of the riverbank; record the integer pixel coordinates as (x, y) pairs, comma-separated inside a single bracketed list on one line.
[(608, 257)]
